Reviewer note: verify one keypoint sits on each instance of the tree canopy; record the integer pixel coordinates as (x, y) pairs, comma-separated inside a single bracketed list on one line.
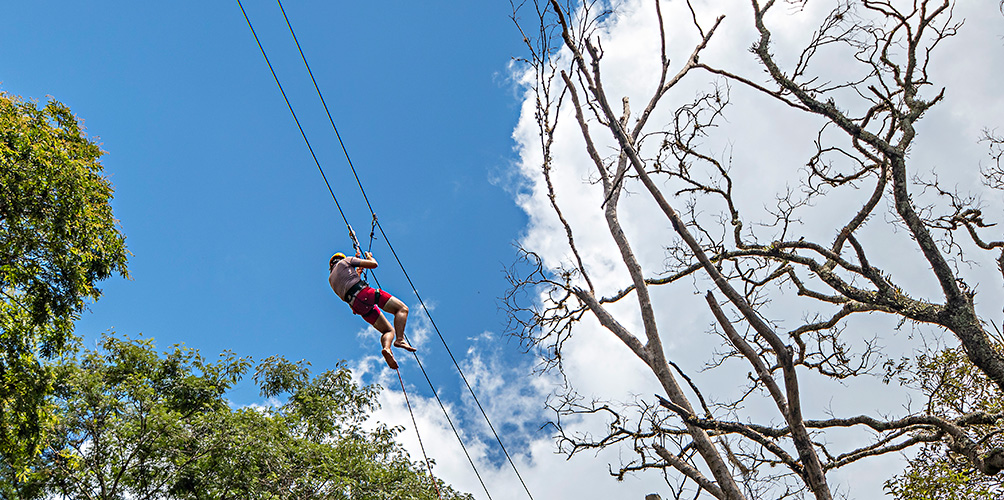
[(124, 420), (58, 239), (135, 423), (955, 388)]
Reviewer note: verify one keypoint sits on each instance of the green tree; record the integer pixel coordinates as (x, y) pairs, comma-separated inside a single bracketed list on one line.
[(135, 423), (312, 446), (58, 238), (941, 470), (130, 420)]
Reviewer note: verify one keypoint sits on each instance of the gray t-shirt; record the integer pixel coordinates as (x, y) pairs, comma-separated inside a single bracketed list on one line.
[(344, 275)]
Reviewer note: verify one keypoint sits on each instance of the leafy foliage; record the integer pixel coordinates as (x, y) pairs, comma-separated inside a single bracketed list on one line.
[(311, 446), (133, 423), (933, 475), (58, 238), (956, 388), (129, 420)]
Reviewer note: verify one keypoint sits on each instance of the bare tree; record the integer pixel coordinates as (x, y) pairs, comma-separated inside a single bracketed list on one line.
[(869, 125)]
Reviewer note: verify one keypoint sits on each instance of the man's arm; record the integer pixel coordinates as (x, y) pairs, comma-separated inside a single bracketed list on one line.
[(365, 263)]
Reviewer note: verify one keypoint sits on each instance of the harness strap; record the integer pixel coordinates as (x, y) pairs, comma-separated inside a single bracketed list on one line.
[(353, 290)]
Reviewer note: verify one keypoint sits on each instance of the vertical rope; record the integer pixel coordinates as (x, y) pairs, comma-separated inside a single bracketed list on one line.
[(297, 120), (400, 264), (455, 363), (450, 421), (376, 225), (330, 119), (420, 444)]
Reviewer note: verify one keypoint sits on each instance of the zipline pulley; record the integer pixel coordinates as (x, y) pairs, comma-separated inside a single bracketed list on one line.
[(355, 242)]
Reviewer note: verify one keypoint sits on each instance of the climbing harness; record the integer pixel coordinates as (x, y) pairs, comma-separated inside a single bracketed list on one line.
[(350, 294), (375, 226)]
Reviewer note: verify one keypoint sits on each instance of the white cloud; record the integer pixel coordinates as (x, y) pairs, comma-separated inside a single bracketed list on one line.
[(512, 397), (769, 145), (264, 407)]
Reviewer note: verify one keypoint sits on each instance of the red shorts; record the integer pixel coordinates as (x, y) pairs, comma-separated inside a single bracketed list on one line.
[(367, 302)]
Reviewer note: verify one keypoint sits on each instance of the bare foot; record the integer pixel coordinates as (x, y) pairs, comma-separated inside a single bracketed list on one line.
[(389, 357), (403, 344)]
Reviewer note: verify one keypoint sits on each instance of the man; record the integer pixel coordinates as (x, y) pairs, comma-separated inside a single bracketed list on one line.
[(368, 302)]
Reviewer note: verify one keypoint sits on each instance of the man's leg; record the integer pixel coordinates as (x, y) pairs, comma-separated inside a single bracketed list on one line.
[(400, 312), (386, 339)]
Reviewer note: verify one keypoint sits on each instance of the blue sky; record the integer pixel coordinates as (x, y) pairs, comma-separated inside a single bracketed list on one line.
[(231, 226), (228, 220)]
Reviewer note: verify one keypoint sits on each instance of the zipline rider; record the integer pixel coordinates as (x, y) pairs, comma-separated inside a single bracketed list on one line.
[(368, 302)]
